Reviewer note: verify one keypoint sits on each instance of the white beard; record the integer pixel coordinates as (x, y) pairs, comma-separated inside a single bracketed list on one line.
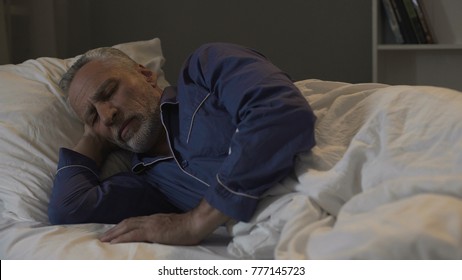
[(146, 136)]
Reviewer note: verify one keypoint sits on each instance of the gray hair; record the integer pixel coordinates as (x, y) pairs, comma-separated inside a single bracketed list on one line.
[(111, 56)]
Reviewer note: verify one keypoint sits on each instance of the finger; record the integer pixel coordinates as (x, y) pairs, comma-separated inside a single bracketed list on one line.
[(134, 235), (108, 235), (121, 228)]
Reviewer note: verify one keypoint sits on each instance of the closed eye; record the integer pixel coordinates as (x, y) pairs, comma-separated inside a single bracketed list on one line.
[(91, 116), (106, 90), (94, 118)]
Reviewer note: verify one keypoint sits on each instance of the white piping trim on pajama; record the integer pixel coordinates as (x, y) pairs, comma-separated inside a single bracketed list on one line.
[(174, 157), (194, 115), (149, 163), (236, 193), (75, 165)]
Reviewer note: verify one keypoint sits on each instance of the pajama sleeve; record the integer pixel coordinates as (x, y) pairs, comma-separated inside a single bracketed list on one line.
[(80, 196), (273, 123)]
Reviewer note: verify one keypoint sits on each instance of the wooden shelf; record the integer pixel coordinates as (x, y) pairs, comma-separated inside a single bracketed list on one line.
[(424, 47)]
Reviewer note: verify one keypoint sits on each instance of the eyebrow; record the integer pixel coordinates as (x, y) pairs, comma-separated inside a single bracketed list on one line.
[(102, 93)]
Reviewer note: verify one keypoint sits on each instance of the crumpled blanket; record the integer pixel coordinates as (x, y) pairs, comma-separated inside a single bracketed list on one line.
[(383, 182)]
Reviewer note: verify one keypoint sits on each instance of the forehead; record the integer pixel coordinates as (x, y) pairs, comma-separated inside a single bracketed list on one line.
[(86, 82)]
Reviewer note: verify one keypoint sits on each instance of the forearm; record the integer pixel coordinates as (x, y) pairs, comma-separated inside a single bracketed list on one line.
[(76, 174), (79, 196), (205, 219)]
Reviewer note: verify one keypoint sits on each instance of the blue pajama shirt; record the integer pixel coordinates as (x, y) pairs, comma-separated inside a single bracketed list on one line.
[(234, 124)]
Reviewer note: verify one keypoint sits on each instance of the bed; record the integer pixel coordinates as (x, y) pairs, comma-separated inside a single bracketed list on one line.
[(383, 182)]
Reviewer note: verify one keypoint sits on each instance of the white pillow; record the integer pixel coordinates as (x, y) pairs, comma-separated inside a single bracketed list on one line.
[(35, 122)]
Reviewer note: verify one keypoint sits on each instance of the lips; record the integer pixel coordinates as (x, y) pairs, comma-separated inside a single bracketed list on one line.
[(124, 129)]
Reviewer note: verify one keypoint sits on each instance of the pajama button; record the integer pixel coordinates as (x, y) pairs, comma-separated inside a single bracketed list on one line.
[(184, 163)]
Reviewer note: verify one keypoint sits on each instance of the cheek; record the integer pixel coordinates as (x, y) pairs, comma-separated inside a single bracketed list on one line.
[(143, 101), (137, 99)]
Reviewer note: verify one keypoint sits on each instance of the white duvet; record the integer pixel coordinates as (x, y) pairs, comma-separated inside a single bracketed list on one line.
[(383, 182)]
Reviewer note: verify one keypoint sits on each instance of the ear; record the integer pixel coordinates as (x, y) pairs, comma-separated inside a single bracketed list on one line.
[(151, 77)]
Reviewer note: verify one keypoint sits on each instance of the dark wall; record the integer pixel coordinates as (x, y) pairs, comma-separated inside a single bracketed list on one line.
[(324, 39)]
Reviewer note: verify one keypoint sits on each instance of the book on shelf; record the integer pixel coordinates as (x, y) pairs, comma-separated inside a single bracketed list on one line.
[(420, 10), (393, 23), (407, 21)]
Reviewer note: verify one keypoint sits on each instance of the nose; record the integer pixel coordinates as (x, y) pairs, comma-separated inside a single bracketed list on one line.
[(107, 112)]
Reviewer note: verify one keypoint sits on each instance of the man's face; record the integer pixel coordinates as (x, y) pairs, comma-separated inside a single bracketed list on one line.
[(121, 105)]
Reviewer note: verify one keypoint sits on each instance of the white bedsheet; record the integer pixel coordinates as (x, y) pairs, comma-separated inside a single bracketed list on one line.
[(383, 182), (35, 240)]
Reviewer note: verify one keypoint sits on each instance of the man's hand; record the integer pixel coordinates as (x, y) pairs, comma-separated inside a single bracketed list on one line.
[(94, 146), (174, 229)]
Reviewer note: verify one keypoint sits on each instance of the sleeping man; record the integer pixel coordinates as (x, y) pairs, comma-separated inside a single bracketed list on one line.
[(204, 151)]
